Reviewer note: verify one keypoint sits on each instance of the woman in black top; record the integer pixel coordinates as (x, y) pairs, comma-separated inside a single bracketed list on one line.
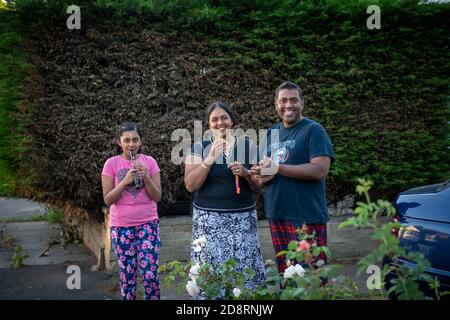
[(224, 212)]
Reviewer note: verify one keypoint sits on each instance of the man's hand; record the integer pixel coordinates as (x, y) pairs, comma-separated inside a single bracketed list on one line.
[(268, 167), (264, 171)]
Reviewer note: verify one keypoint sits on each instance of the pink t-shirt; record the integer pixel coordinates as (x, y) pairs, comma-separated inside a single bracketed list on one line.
[(134, 206)]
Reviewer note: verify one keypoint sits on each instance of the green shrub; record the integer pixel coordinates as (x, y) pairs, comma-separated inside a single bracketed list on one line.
[(381, 94), (12, 69), (296, 283)]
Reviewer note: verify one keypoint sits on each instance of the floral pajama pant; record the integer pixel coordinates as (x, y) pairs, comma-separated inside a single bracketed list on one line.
[(229, 236), (138, 248)]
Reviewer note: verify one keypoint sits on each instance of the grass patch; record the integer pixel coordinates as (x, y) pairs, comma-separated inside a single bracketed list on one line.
[(33, 218), (18, 257), (52, 215)]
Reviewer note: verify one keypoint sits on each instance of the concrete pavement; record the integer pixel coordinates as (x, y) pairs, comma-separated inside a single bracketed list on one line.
[(45, 276), (19, 208)]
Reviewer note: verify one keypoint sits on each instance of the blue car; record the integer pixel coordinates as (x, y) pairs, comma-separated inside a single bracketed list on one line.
[(424, 214)]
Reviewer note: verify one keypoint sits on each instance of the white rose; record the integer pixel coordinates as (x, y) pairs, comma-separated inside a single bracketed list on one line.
[(237, 292), (193, 272), (192, 288), (299, 270), (269, 262), (202, 240), (320, 263), (289, 272)]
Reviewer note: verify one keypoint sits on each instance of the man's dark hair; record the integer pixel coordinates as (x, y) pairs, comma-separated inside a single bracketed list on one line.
[(224, 106), (289, 86)]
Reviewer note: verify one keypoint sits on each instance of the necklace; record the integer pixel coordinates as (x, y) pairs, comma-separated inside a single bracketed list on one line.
[(229, 148), (229, 145)]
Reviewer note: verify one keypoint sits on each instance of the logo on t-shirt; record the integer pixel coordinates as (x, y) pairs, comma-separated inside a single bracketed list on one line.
[(131, 188), (280, 155), (281, 150)]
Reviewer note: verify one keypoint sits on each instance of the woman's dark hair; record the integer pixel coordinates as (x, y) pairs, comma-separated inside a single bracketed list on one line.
[(124, 127), (224, 106)]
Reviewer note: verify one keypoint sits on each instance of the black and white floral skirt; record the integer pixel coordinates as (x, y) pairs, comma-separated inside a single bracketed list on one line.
[(229, 236)]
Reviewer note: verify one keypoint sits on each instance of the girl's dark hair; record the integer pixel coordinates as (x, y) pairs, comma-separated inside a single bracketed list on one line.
[(224, 106), (127, 126)]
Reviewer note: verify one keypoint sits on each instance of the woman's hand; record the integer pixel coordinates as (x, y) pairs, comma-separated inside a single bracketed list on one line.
[(238, 169), (217, 149)]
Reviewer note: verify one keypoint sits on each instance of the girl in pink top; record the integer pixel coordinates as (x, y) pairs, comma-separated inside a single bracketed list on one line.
[(131, 190)]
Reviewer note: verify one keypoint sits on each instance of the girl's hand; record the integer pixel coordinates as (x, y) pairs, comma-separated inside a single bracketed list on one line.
[(238, 169), (140, 169), (129, 177)]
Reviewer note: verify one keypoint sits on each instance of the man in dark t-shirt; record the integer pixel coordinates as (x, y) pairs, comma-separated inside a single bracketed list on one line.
[(299, 154)]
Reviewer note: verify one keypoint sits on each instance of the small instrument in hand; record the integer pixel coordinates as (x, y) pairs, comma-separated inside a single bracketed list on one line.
[(238, 188), (136, 178), (236, 177)]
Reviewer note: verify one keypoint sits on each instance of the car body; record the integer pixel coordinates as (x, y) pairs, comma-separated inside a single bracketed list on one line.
[(424, 215)]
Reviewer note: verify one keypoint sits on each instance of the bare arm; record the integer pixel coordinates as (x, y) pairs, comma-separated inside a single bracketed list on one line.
[(153, 186), (110, 193), (152, 183), (195, 174), (316, 169)]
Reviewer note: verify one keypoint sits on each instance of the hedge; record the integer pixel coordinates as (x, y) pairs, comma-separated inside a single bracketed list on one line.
[(381, 94)]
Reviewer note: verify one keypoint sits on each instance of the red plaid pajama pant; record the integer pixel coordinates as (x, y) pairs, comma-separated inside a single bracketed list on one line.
[(285, 231)]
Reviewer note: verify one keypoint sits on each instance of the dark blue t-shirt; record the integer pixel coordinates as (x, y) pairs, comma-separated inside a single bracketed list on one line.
[(287, 198), (218, 192)]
